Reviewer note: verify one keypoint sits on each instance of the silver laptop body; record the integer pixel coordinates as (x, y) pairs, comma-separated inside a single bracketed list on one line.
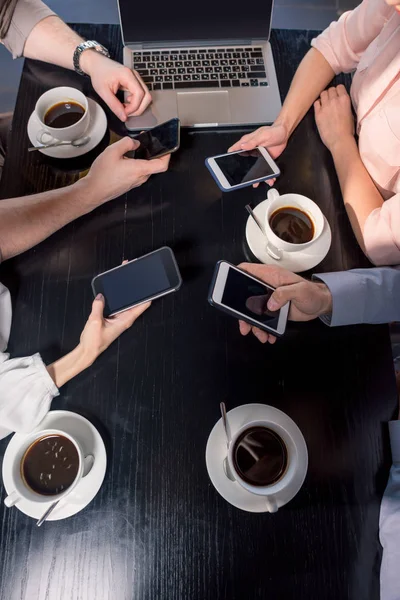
[(205, 82)]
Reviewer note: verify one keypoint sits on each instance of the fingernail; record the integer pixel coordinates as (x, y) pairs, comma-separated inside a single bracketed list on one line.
[(99, 297), (272, 304)]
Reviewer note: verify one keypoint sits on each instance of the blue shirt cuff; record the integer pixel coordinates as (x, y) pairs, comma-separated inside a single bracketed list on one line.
[(394, 432)]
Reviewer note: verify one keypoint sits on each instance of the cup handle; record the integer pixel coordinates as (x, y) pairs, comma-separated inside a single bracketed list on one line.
[(44, 137), (272, 194), (11, 499), (272, 505), (88, 463)]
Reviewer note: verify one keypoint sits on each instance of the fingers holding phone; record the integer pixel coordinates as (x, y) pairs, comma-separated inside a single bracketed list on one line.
[(261, 335), (246, 298), (236, 170), (137, 281), (111, 174), (157, 142)]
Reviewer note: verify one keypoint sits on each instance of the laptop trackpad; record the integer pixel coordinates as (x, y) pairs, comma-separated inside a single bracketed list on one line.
[(203, 108)]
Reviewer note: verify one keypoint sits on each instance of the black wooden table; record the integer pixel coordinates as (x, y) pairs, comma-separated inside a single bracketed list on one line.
[(158, 530)]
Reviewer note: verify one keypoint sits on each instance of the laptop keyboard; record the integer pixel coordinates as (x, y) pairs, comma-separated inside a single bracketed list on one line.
[(201, 68)]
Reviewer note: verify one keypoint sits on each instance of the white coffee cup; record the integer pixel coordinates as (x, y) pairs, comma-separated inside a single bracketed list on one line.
[(21, 491), (283, 487), (275, 244), (49, 135)]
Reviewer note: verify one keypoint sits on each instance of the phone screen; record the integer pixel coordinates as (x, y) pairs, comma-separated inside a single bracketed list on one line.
[(158, 141), (138, 281), (248, 297), (242, 167)]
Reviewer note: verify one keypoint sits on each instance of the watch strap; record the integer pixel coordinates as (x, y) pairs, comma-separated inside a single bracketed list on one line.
[(88, 45)]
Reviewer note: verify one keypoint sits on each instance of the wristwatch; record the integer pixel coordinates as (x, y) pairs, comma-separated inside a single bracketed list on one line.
[(89, 45)]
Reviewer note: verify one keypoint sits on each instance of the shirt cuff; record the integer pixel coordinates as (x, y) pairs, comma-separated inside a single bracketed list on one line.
[(45, 375), (394, 433), (343, 287), (27, 14)]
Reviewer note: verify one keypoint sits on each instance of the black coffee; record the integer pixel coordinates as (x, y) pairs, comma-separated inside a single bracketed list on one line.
[(64, 114), (260, 456), (50, 465), (292, 225)]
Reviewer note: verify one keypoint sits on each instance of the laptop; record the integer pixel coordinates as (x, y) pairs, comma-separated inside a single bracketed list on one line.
[(208, 62)]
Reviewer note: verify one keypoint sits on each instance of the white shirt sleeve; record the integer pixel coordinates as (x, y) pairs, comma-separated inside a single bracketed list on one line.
[(389, 523), (26, 388)]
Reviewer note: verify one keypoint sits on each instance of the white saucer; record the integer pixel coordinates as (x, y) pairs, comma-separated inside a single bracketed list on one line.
[(96, 130), (216, 452), (91, 442), (293, 261)]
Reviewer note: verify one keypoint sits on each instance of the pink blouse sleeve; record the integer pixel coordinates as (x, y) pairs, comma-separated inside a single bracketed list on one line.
[(344, 41), (382, 233)]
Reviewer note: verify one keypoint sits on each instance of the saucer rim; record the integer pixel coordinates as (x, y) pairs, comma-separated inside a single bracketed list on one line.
[(258, 505), (101, 122), (324, 242), (64, 511)]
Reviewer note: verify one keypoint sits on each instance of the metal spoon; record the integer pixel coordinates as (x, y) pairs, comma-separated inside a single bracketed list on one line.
[(88, 464), (227, 469), (276, 253), (47, 513), (75, 143)]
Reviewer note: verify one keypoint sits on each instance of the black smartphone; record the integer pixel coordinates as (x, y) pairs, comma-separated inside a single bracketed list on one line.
[(159, 141), (146, 278), (245, 297)]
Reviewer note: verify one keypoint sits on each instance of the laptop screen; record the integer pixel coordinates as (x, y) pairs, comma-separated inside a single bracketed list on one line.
[(198, 20)]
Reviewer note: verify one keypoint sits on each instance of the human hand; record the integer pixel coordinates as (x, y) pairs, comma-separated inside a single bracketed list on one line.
[(99, 332), (108, 76), (274, 138), (333, 116), (308, 299), (112, 174)]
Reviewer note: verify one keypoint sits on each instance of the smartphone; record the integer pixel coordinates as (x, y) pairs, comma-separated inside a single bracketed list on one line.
[(142, 279), (236, 170), (159, 141), (245, 297)]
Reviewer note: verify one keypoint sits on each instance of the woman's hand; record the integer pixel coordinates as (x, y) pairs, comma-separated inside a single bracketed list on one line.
[(333, 116), (97, 335), (99, 332), (274, 138)]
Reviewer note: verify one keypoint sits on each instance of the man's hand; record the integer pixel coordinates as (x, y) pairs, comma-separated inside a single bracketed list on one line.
[(333, 116), (112, 174), (99, 333), (108, 77), (274, 138), (309, 300)]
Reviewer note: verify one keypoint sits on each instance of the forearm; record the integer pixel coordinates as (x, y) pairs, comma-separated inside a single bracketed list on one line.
[(69, 366), (359, 193), (52, 41), (311, 78), (26, 221), (363, 295)]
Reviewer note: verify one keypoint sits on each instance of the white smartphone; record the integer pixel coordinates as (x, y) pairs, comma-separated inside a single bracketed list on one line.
[(245, 297), (142, 279), (236, 170)]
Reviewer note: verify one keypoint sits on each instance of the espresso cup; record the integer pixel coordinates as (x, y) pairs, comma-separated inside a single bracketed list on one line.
[(21, 489), (50, 135), (284, 481), (277, 245)]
